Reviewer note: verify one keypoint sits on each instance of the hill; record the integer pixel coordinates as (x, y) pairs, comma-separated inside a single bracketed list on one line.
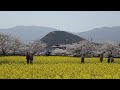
[(60, 37)]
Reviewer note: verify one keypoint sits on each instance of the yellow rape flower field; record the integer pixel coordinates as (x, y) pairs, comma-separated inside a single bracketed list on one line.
[(58, 67)]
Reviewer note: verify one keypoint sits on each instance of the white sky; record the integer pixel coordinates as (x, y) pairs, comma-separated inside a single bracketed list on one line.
[(72, 21)]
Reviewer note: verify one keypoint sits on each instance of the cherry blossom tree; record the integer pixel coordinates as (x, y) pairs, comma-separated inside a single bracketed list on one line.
[(9, 44), (60, 52), (110, 48), (5, 43), (36, 46)]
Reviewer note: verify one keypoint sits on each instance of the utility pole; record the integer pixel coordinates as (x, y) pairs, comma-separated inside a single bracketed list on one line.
[(91, 39)]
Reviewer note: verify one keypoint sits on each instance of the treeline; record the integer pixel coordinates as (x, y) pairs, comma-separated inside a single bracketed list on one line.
[(10, 45), (89, 49)]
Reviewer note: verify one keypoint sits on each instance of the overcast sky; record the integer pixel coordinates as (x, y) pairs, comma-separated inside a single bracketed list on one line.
[(72, 21)]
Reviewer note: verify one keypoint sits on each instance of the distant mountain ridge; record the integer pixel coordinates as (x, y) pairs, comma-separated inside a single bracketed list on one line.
[(102, 34), (28, 33)]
